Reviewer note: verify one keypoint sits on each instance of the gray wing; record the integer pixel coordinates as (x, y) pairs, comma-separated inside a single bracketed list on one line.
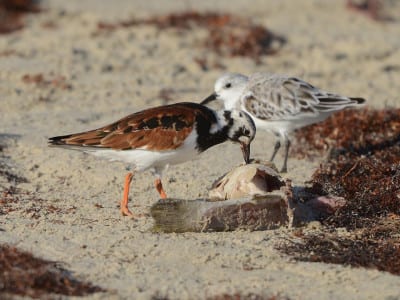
[(279, 97)]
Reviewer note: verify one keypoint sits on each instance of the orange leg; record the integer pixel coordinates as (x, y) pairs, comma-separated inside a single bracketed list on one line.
[(124, 203), (160, 189)]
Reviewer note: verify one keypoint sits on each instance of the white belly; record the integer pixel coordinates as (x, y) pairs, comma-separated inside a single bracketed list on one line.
[(142, 159), (283, 127)]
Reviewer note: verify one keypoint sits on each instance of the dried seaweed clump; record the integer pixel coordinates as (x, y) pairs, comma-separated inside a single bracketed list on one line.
[(26, 275), (8, 200), (364, 168), (371, 8), (362, 129), (364, 165), (12, 12), (370, 184), (250, 296), (228, 35), (377, 247), (54, 81)]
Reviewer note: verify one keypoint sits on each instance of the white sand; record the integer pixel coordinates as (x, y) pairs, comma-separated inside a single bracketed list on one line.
[(328, 45)]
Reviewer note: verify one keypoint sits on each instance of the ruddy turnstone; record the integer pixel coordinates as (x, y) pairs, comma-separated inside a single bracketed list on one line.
[(278, 103), (161, 136)]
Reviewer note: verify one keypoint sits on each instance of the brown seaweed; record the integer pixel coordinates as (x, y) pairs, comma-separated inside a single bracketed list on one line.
[(26, 275)]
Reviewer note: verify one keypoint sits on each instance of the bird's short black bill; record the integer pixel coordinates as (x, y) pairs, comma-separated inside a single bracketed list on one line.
[(209, 99), (246, 152)]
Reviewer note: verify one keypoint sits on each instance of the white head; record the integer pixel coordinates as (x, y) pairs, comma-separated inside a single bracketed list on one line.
[(228, 88)]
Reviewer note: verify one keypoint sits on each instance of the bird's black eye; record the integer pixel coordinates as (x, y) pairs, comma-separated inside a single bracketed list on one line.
[(228, 85)]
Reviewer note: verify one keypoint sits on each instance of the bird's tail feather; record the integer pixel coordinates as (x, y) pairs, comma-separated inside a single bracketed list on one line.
[(59, 140), (358, 100)]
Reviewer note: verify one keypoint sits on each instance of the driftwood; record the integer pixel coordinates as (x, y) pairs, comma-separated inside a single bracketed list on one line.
[(175, 215), (251, 197)]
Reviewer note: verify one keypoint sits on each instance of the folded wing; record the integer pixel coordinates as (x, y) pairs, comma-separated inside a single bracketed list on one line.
[(159, 128)]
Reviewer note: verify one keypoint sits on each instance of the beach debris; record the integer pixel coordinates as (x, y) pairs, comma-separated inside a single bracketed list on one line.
[(371, 8), (244, 39), (363, 167), (10, 52), (255, 179), (369, 182), (26, 275), (56, 81), (228, 35), (251, 197), (261, 178), (377, 247), (7, 201), (202, 215), (13, 11), (248, 296), (12, 197), (363, 129)]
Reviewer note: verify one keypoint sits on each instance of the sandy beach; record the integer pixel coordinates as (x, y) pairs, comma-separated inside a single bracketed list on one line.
[(69, 210)]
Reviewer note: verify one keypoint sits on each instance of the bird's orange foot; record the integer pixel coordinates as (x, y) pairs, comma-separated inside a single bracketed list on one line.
[(125, 210), (160, 188), (124, 203)]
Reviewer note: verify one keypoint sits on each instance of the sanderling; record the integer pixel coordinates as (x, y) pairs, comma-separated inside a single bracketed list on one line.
[(161, 136), (278, 103)]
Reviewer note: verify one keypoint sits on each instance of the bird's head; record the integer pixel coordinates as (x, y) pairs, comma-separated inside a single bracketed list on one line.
[(240, 129), (228, 88)]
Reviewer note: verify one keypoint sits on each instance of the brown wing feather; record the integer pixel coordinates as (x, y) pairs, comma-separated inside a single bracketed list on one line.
[(160, 128)]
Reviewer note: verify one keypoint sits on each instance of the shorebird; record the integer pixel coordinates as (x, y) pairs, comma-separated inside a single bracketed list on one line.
[(278, 103), (161, 136)]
